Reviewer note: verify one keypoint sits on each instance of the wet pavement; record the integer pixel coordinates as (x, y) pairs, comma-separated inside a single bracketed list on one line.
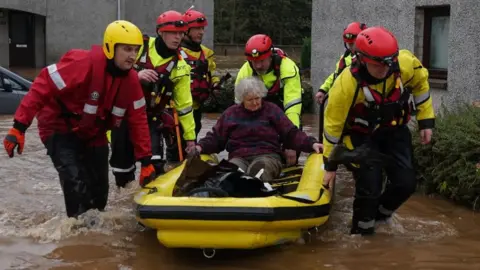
[(427, 232)]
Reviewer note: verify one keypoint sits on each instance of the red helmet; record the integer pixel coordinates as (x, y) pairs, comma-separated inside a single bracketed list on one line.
[(377, 45), (258, 47), (195, 18), (353, 29), (171, 21)]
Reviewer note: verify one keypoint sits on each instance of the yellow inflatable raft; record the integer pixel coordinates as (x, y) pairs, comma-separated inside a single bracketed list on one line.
[(235, 223)]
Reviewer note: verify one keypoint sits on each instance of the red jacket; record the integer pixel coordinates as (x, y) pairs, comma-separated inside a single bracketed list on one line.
[(80, 81)]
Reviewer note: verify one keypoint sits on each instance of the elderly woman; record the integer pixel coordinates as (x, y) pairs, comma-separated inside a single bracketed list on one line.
[(252, 133)]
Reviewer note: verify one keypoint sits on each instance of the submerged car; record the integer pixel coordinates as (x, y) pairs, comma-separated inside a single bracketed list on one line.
[(13, 88)]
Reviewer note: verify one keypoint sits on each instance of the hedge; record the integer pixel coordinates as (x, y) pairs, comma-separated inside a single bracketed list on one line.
[(305, 58), (449, 165)]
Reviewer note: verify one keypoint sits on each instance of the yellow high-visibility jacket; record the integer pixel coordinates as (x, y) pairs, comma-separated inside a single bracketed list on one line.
[(413, 75), (292, 86), (331, 78), (182, 97)]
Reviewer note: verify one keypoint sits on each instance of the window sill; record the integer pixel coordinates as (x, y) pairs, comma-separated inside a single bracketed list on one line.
[(438, 83)]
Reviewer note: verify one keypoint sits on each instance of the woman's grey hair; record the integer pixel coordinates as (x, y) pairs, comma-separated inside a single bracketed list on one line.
[(249, 85)]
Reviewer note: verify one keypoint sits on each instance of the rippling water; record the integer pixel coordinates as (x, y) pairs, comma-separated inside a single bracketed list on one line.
[(427, 233)]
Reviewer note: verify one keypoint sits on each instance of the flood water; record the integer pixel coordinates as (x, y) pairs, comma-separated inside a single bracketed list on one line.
[(427, 233)]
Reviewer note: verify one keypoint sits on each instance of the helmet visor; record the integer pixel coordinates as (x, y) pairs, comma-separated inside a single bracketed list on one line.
[(198, 20), (385, 60), (256, 54), (350, 37), (178, 24)]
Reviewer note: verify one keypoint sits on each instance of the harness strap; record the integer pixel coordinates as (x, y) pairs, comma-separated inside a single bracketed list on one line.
[(342, 65), (166, 84), (144, 55)]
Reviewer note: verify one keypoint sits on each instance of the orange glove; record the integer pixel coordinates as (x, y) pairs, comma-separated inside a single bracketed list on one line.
[(13, 139), (147, 174)]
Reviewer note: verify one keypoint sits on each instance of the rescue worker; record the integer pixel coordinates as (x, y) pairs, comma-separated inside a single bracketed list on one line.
[(349, 35), (201, 59), (165, 76), (75, 101), (280, 75), (370, 105)]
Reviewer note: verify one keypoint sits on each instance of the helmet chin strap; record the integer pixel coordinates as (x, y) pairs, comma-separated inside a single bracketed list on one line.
[(346, 47)]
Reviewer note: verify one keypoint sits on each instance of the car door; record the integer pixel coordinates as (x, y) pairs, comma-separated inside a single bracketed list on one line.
[(9, 100), (11, 93)]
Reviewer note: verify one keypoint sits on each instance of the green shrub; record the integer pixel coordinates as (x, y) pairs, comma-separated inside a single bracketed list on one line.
[(306, 53), (307, 97), (448, 165), (226, 97), (217, 103)]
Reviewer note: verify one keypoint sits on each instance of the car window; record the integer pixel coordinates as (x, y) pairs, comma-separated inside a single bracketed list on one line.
[(14, 85)]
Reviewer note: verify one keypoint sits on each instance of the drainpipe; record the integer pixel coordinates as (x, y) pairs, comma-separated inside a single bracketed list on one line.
[(118, 10)]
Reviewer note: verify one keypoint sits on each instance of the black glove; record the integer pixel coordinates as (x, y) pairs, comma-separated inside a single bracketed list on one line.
[(123, 178), (362, 154)]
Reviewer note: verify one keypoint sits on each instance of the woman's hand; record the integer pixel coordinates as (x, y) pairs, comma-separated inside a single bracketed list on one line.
[(318, 147), (193, 149), (290, 157)]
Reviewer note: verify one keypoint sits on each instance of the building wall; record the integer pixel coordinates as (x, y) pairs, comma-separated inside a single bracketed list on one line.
[(40, 41), (4, 44), (404, 19), (81, 23), (32, 6), (76, 24)]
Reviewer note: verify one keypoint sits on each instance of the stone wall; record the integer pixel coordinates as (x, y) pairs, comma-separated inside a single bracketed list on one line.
[(404, 18), (81, 23)]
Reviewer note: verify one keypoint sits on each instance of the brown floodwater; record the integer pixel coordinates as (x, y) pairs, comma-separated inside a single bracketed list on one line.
[(426, 233)]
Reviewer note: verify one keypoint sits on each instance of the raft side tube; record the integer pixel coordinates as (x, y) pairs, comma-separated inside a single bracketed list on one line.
[(225, 239)]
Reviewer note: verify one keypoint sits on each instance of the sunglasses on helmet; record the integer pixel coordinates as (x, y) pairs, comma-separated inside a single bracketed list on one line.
[(175, 23), (198, 20), (349, 36), (256, 53), (387, 60)]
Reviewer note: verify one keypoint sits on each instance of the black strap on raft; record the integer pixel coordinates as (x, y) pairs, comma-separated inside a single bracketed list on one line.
[(222, 193)]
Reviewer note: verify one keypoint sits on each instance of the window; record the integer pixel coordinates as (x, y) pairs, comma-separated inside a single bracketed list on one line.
[(435, 41), (9, 85)]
